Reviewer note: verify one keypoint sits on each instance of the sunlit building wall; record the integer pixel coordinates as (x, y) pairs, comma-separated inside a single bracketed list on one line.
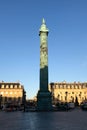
[(68, 92), (11, 92)]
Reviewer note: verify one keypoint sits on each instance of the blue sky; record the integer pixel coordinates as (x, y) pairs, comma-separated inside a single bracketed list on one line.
[(20, 21)]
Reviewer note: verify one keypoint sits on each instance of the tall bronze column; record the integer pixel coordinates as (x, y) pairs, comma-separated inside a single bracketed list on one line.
[(44, 97)]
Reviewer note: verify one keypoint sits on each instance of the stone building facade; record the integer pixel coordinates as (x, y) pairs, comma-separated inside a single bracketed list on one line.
[(11, 93), (68, 92)]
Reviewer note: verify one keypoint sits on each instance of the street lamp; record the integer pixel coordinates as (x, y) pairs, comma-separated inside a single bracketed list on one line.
[(0, 100), (24, 99), (66, 95)]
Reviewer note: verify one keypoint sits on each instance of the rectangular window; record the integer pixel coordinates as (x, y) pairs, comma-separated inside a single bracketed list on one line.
[(2, 86)]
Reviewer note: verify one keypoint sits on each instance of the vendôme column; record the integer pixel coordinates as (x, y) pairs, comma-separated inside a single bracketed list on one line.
[(44, 97)]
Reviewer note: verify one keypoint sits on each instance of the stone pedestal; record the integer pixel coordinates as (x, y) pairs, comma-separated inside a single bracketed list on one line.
[(44, 101)]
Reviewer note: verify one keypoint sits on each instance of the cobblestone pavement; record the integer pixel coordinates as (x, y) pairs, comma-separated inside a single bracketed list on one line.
[(71, 120)]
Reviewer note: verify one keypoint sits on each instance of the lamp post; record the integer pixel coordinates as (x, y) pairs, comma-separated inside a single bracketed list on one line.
[(0, 100), (24, 100), (66, 95)]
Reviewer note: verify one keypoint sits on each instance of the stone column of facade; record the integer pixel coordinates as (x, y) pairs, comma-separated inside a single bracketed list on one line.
[(44, 97)]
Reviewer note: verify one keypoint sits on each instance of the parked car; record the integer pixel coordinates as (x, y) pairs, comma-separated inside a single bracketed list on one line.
[(83, 106), (71, 105), (62, 106)]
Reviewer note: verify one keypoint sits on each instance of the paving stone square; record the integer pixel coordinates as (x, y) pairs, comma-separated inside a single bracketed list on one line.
[(70, 120)]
